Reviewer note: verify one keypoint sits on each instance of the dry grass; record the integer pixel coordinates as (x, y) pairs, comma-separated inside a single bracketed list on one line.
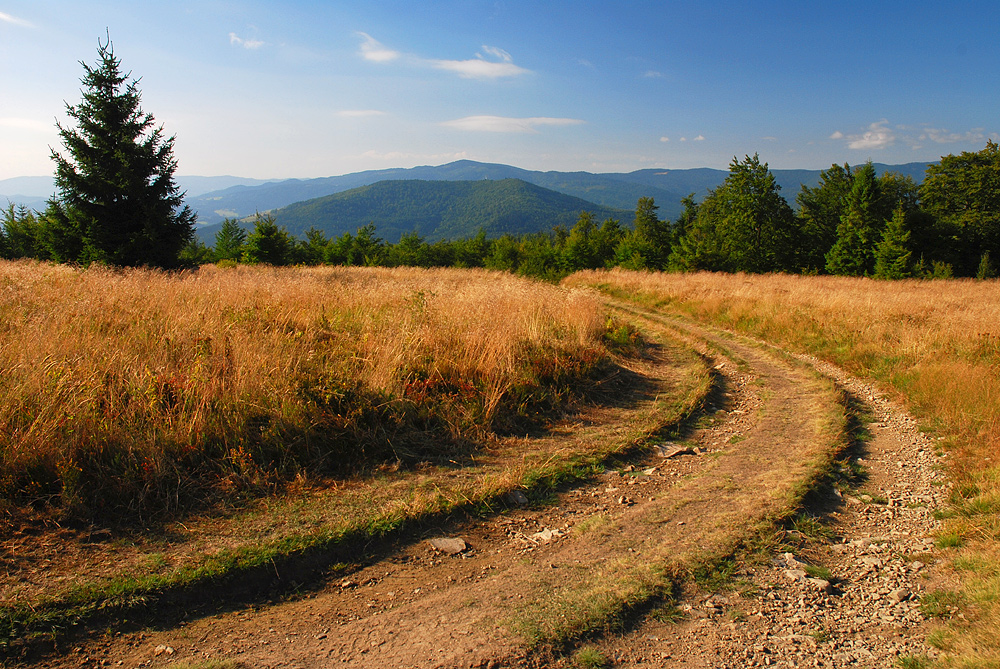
[(935, 343), (144, 392)]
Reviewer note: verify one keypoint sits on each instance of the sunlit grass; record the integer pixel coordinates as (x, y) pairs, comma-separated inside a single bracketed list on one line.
[(142, 392), (935, 344)]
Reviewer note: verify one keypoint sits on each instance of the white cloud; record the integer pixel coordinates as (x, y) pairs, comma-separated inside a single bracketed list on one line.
[(360, 113), (664, 139), (495, 64), (699, 138), (26, 124), (245, 43), (684, 139), (945, 137), (506, 124), (497, 53), (837, 135), (878, 136), (7, 18), (372, 49), (478, 68), (652, 74)]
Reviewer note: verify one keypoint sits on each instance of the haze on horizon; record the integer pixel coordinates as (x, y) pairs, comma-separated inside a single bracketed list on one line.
[(307, 89)]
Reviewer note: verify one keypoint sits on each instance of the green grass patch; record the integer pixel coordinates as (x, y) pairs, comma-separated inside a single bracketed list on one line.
[(949, 539), (940, 603), (590, 657)]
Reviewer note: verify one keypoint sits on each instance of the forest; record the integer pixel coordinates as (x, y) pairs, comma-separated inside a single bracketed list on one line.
[(853, 223)]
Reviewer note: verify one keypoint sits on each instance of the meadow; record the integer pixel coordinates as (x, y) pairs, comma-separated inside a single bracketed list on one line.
[(935, 345), (127, 396)]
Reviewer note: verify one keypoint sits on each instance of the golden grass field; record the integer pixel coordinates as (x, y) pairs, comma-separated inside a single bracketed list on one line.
[(134, 393), (935, 344)]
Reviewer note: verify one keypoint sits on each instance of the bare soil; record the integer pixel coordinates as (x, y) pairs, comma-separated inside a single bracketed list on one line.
[(532, 576)]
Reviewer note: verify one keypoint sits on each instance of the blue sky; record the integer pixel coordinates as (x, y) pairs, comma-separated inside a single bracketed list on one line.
[(307, 89)]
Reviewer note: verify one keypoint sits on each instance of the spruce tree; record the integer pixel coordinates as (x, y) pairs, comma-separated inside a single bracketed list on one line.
[(230, 241), (892, 254), (117, 201), (853, 254)]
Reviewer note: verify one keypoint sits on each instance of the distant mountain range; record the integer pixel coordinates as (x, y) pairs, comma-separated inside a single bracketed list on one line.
[(437, 210), (615, 190), (33, 192), (436, 213)]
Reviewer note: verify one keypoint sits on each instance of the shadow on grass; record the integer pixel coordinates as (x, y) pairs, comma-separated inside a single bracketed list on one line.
[(256, 579)]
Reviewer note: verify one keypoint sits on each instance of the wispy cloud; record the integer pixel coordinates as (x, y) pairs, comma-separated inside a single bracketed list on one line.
[(251, 43), (497, 53), (881, 134), (478, 68), (699, 138), (507, 124), (13, 20), (942, 136), (664, 139), (492, 63), (373, 50), (652, 74), (878, 136), (360, 113)]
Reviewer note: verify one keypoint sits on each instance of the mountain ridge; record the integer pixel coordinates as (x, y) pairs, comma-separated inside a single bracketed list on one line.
[(619, 190), (436, 210)]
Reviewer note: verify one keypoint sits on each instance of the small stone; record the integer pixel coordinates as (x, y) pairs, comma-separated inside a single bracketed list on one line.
[(546, 535), (900, 595), (448, 545), (163, 650), (517, 498), (672, 450), (795, 574), (821, 584)]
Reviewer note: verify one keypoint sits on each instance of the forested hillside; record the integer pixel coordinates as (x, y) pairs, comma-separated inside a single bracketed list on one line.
[(617, 190), (440, 209)]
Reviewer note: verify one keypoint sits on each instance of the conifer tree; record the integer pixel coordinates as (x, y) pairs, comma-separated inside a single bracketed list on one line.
[(853, 254), (892, 254), (230, 240), (117, 201)]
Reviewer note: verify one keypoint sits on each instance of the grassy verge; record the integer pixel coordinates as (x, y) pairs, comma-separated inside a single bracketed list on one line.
[(936, 344), (305, 527)]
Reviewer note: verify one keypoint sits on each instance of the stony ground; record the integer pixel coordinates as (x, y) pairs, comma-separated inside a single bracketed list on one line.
[(842, 589), (873, 554)]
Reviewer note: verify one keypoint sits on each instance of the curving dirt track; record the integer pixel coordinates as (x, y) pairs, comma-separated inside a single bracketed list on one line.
[(532, 577)]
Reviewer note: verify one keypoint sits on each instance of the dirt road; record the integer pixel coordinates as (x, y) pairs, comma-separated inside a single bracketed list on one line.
[(531, 577)]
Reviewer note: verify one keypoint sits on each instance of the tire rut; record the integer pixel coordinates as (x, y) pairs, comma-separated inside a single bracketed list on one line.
[(623, 539)]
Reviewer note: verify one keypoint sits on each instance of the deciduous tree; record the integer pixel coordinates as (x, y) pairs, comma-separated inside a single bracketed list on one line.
[(963, 193)]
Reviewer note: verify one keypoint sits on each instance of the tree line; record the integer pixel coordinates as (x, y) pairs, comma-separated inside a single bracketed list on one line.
[(118, 204), (853, 223)]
